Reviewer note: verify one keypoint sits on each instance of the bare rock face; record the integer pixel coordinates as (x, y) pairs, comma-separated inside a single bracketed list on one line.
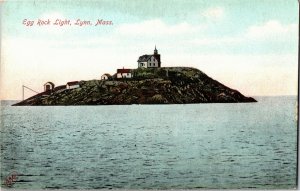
[(172, 85)]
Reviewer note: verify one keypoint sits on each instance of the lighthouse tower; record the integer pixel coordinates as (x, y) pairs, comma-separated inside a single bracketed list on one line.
[(155, 51)]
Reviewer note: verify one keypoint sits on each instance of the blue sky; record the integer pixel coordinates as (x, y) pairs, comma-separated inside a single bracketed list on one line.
[(249, 45)]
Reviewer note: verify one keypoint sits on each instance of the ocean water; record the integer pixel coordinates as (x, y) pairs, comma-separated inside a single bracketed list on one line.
[(241, 145)]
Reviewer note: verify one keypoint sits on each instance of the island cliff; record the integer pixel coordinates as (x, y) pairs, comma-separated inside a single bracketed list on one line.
[(168, 85)]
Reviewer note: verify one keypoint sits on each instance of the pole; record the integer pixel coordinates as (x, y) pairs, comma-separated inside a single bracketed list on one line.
[(31, 89), (23, 87)]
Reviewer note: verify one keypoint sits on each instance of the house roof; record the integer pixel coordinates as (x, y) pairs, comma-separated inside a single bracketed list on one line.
[(60, 87), (106, 74), (146, 57), (123, 70), (49, 83), (72, 83)]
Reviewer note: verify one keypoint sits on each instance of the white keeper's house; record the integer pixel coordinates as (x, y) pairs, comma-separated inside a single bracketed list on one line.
[(149, 61)]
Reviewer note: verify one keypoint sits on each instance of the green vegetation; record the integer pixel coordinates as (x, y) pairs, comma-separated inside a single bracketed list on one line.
[(172, 85)]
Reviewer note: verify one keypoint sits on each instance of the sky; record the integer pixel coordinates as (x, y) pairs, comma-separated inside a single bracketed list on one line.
[(248, 45)]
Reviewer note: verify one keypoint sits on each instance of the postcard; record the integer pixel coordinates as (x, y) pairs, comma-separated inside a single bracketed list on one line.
[(149, 94)]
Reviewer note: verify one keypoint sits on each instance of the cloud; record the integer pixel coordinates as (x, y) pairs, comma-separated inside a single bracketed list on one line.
[(267, 75), (272, 29), (217, 41), (214, 13), (269, 32), (57, 61), (156, 27), (52, 16), (61, 60)]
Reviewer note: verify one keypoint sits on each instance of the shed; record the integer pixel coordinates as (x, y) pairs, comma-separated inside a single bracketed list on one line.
[(72, 85), (106, 76), (48, 86)]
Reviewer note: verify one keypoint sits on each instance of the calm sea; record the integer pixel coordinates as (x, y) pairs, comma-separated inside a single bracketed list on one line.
[(244, 145)]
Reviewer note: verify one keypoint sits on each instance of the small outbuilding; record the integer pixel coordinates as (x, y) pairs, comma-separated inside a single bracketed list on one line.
[(124, 73), (49, 86), (73, 85), (106, 76)]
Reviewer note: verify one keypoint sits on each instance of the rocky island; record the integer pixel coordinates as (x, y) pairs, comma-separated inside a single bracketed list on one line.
[(164, 85)]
